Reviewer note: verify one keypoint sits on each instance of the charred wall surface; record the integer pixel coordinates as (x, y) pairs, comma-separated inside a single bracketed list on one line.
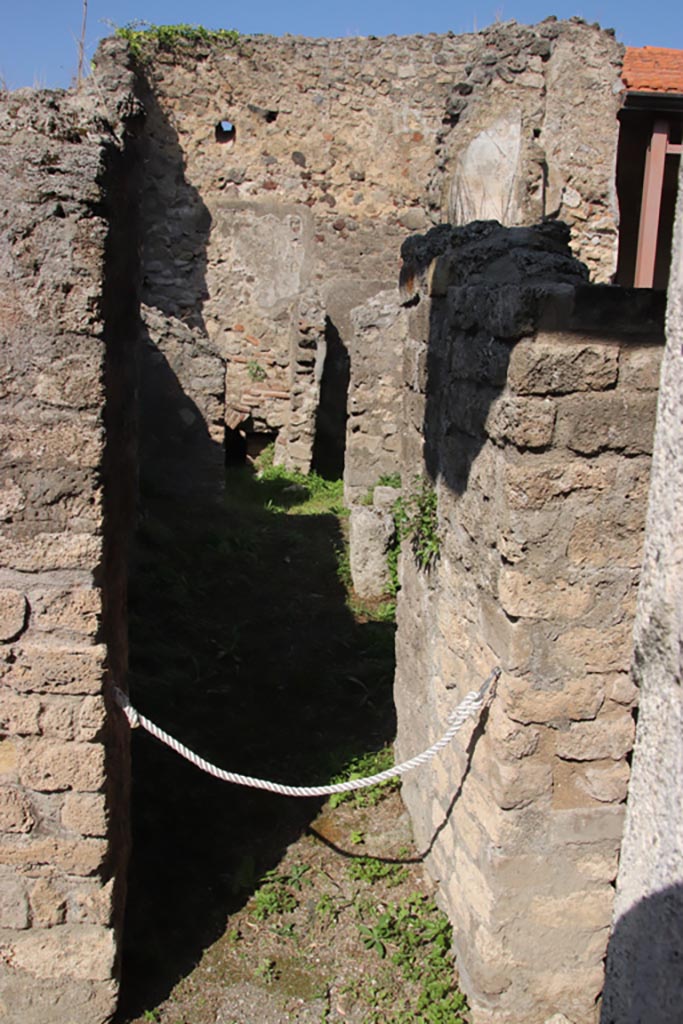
[(68, 324)]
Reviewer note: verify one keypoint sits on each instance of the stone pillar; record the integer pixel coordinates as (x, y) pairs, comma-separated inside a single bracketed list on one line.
[(68, 305), (644, 976), (535, 408)]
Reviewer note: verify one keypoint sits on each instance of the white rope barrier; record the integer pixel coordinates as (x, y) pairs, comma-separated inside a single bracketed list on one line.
[(469, 707)]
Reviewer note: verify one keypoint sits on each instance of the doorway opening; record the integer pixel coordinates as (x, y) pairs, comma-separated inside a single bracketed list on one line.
[(329, 446)]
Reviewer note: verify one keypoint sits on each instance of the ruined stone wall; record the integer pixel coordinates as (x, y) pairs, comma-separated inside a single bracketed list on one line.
[(67, 324), (644, 980), (530, 402), (262, 236)]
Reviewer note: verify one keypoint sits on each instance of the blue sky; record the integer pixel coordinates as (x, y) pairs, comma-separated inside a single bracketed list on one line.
[(38, 40)]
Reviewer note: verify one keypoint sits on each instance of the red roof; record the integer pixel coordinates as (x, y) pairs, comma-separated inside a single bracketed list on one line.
[(653, 69)]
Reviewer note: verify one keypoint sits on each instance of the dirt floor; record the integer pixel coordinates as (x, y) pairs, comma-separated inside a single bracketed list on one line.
[(244, 907)]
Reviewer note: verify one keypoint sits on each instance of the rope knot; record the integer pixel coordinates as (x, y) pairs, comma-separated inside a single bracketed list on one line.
[(129, 711)]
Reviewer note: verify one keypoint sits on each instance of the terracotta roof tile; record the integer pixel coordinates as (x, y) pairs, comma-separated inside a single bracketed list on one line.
[(653, 69)]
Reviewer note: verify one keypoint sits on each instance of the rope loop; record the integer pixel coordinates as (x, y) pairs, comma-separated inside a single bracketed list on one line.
[(469, 707)]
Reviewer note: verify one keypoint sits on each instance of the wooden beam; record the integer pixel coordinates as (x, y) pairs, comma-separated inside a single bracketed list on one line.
[(650, 205)]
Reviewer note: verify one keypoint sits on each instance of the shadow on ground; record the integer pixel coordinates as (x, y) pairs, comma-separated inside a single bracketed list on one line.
[(243, 647)]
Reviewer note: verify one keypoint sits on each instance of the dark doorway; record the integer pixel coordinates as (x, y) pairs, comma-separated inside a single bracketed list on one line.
[(243, 447), (330, 425)]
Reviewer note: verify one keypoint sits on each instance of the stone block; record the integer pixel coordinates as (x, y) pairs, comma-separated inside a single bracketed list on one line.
[(12, 500), (621, 689), (91, 718), (48, 904), (516, 785), (9, 756), (607, 782), (559, 600), (534, 483), (82, 952), (582, 649), (74, 381), (590, 424), (639, 368), (571, 699), (34, 1001), (57, 718), (52, 444), (93, 904), (85, 813), (483, 358), (609, 537), (16, 812), (512, 642), (46, 551), (588, 910), (609, 736), (13, 614), (524, 422), (55, 669), (14, 907), (576, 991), (51, 767), (19, 715), (558, 364), (599, 828), (370, 533), (75, 610), (510, 740), (598, 865), (83, 857)]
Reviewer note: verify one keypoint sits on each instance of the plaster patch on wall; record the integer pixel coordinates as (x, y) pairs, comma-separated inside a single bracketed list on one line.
[(484, 184), (266, 245)]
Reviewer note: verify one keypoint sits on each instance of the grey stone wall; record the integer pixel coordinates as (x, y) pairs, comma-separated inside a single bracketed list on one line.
[(259, 246), (530, 404), (68, 321), (644, 977)]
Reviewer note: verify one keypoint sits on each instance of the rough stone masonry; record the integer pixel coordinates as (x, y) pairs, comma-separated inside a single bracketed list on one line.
[(230, 216), (529, 401), (68, 321)]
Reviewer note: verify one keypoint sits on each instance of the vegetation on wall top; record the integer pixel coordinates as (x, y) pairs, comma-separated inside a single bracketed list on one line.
[(140, 34)]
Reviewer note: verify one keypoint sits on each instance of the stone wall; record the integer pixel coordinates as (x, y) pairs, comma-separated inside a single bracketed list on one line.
[(68, 308), (530, 402), (644, 979), (282, 176)]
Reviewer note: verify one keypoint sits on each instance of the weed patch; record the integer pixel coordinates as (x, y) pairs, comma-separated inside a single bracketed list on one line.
[(361, 767), (416, 518), (142, 35), (371, 870)]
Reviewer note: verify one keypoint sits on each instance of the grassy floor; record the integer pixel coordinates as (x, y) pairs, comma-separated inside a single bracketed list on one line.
[(246, 644)]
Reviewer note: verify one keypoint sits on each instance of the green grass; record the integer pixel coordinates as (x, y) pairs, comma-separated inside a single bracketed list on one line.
[(292, 493)]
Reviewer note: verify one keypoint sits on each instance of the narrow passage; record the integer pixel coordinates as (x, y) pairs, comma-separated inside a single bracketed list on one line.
[(243, 907)]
